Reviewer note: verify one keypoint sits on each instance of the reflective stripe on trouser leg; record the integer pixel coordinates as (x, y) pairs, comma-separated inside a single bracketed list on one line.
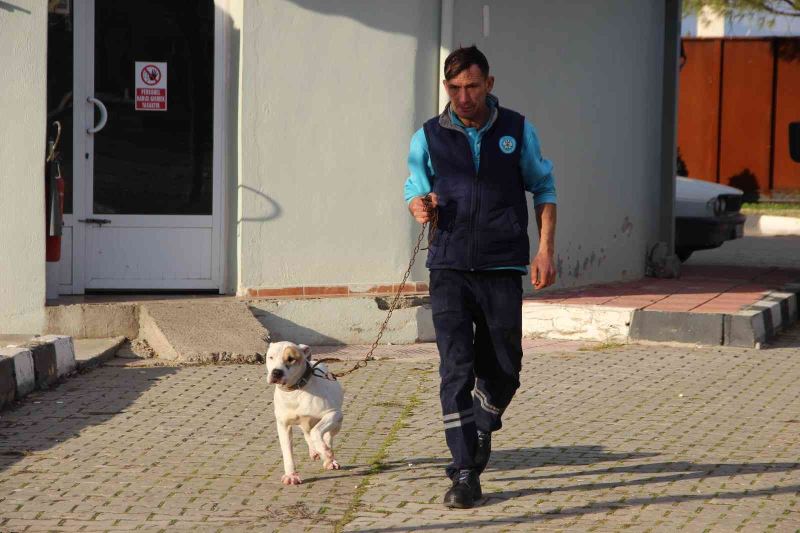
[(498, 347), (452, 318), (460, 433)]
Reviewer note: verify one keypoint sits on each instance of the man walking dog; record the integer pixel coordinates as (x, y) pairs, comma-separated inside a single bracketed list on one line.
[(473, 164)]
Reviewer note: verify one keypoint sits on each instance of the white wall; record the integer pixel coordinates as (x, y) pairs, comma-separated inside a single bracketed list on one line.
[(331, 94), (332, 91), (710, 25), (23, 42), (750, 27), (707, 23), (594, 94)]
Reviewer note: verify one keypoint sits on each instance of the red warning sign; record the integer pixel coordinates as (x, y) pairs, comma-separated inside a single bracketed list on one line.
[(151, 86)]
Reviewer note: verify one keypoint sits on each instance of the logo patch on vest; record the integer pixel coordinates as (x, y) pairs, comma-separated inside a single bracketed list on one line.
[(508, 144)]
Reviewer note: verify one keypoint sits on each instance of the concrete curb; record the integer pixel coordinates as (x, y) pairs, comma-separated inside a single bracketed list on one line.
[(668, 326), (37, 363), (576, 322), (771, 226), (65, 352), (95, 357), (750, 328), (24, 375), (93, 321)]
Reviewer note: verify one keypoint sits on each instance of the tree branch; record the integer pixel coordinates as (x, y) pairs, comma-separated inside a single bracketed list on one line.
[(768, 6), (744, 8)]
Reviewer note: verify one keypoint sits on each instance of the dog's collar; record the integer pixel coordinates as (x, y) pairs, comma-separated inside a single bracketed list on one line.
[(306, 377)]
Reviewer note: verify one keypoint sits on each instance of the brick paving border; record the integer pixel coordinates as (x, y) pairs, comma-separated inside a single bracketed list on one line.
[(41, 362)]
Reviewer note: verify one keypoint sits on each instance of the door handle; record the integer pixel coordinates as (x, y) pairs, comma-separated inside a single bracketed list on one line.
[(98, 221), (103, 115)]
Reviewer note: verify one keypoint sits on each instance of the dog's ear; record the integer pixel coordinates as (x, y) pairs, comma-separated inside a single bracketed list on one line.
[(305, 349)]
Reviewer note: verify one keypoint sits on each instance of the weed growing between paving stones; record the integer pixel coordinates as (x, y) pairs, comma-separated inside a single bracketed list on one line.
[(376, 463), (389, 403)]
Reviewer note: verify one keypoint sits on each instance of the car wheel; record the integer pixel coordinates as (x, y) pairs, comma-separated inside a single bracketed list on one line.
[(683, 254)]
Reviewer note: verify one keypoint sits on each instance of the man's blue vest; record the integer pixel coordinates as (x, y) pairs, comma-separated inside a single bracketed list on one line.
[(483, 216)]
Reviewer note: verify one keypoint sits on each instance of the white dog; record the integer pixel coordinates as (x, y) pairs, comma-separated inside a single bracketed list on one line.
[(308, 396)]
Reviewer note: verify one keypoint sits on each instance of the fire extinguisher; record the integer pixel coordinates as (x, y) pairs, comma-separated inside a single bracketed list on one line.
[(54, 198)]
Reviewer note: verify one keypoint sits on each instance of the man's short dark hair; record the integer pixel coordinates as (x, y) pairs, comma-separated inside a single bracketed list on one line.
[(461, 59)]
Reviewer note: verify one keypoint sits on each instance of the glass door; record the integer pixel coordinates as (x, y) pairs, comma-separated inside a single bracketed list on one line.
[(154, 157), (149, 189)]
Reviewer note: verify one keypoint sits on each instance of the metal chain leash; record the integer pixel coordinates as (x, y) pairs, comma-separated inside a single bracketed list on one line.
[(431, 235)]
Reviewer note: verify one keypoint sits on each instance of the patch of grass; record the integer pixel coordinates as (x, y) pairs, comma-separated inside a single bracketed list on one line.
[(376, 463), (601, 347), (784, 209), (389, 404)]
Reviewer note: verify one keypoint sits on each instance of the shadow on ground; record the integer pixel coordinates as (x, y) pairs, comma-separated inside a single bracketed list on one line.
[(654, 473), (49, 418), (672, 471), (281, 329), (527, 458), (590, 508), (789, 338)]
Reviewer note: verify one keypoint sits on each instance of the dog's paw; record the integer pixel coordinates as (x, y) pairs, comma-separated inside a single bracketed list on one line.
[(291, 479), (313, 454), (331, 464)]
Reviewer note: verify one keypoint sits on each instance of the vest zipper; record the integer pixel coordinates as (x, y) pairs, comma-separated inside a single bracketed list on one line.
[(475, 208), (476, 201)]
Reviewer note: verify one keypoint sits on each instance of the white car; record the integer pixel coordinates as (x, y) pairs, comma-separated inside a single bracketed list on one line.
[(706, 215)]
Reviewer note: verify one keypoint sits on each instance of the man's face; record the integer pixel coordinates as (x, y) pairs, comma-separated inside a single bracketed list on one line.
[(468, 91)]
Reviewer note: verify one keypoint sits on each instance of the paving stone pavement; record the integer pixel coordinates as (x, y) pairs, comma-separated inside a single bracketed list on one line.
[(600, 438)]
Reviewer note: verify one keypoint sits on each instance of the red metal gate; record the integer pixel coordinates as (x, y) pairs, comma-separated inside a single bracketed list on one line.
[(785, 172), (736, 99)]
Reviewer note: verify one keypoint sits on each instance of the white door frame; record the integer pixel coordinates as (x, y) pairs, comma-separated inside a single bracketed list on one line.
[(223, 27), (83, 117), (73, 250)]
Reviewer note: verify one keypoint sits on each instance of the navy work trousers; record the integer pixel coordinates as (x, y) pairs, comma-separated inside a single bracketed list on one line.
[(478, 321)]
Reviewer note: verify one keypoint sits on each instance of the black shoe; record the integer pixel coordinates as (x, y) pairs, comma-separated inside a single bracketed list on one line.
[(483, 448), (466, 490)]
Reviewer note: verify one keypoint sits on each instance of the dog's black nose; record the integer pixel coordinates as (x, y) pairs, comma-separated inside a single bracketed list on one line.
[(277, 373)]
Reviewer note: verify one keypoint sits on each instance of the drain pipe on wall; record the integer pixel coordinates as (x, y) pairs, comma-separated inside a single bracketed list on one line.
[(445, 47)]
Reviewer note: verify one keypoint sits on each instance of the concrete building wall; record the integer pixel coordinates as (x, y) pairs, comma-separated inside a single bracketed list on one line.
[(331, 93), (594, 93), (23, 41)]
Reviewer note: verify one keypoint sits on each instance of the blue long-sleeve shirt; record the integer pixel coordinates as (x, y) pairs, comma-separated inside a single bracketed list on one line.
[(537, 172)]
